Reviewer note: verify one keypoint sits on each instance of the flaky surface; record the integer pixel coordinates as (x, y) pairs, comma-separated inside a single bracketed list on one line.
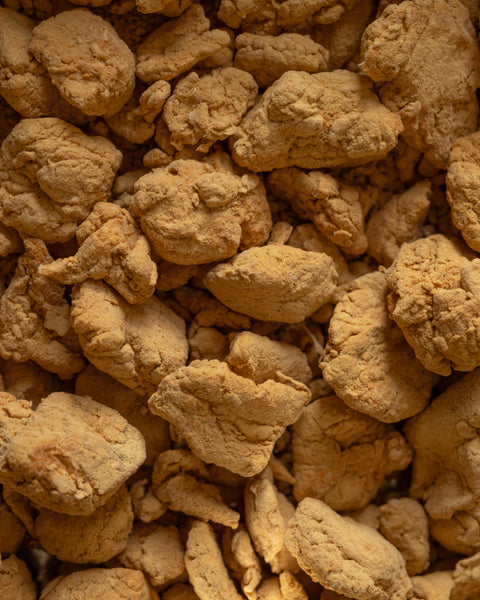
[(342, 456), (366, 354), (135, 344), (434, 301), (15, 580), (198, 212), (51, 175), (92, 68), (425, 57), (294, 125), (241, 420), (274, 283), (344, 556)]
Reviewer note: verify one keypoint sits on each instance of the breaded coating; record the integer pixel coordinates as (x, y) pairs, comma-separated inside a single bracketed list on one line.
[(136, 344), (169, 8), (107, 584), (35, 317), (466, 578), (153, 98), (51, 175), (345, 556), (260, 358), (445, 465), (92, 68), (203, 110), (425, 56), (205, 567), (437, 585), (404, 523), (274, 283), (178, 45), (157, 551), (112, 248), (365, 356), (462, 187), (240, 419), (268, 57), (179, 480), (397, 222), (93, 539), (334, 207), (70, 455), (133, 407), (341, 456), (196, 212), (434, 300), (294, 124), (15, 580), (12, 531), (242, 561), (267, 512)]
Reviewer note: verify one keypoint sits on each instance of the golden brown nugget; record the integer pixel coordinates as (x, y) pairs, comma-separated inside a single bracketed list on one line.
[(344, 556), (130, 123), (153, 98), (92, 539), (242, 561), (146, 506), (241, 420), (15, 580), (136, 344), (465, 582), (112, 248), (208, 343), (92, 68), (70, 455), (274, 283), (51, 176), (342, 456), (425, 57), (284, 587), (366, 354), (294, 125)]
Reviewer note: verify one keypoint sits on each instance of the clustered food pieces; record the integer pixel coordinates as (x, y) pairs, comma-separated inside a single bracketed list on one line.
[(239, 300)]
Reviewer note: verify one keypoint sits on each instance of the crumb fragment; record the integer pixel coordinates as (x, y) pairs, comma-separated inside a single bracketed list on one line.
[(153, 98), (146, 506), (15, 580), (130, 123), (242, 560)]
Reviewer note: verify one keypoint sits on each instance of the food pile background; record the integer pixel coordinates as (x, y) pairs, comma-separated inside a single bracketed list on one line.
[(240, 300)]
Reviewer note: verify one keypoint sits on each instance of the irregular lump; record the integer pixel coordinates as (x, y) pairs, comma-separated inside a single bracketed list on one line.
[(397, 222), (434, 299), (169, 8), (260, 358), (333, 207), (153, 98), (158, 552), (341, 456), (130, 123), (434, 586), (242, 560), (108, 584), (462, 187), (15, 580), (12, 531), (28, 380), (93, 539), (240, 419), (70, 455), (366, 354), (51, 175), (425, 56), (92, 68), (203, 110), (466, 579), (204, 562), (344, 556), (35, 317), (136, 344), (268, 57), (196, 212), (403, 522), (178, 45), (294, 124), (274, 283), (111, 247)]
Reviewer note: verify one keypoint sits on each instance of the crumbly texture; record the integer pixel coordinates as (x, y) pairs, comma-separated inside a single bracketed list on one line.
[(345, 556), (153, 98), (242, 561), (241, 420), (342, 456), (465, 579), (15, 580), (294, 125), (434, 586)]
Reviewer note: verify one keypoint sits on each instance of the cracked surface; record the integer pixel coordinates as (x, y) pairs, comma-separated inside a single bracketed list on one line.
[(15, 580)]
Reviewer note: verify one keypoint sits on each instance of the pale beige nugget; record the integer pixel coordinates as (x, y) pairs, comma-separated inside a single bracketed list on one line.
[(240, 419), (294, 125), (366, 354), (15, 580), (342, 456), (345, 556), (274, 283), (70, 455), (92, 68), (136, 344), (434, 586), (466, 579)]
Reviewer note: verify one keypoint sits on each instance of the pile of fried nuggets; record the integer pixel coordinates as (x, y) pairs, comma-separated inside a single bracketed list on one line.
[(240, 300)]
